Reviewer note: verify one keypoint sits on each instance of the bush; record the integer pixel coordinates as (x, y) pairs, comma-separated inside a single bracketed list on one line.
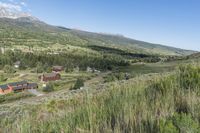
[(9, 69), (2, 78), (120, 76), (110, 78), (167, 127), (39, 68), (115, 76), (49, 87), (189, 76), (185, 123), (79, 83)]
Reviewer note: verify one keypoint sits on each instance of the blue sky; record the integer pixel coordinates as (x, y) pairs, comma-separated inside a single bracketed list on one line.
[(168, 22)]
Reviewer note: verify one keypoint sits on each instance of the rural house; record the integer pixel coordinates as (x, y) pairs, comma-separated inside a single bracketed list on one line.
[(17, 87), (50, 77), (57, 68)]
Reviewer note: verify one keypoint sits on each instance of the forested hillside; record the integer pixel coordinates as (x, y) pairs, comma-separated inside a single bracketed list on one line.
[(35, 33)]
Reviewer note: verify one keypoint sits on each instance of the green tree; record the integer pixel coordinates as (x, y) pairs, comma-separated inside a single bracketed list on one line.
[(79, 83), (9, 69), (39, 68), (2, 78), (49, 87)]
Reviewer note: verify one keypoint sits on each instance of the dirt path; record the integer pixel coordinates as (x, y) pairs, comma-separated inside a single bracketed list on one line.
[(35, 92)]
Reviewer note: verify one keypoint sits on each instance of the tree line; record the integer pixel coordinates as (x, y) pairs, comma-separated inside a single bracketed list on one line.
[(68, 60)]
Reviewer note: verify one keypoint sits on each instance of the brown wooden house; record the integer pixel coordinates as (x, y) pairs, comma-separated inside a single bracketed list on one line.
[(50, 77), (17, 87)]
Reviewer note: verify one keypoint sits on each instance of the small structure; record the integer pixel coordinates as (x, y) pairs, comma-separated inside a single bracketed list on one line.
[(57, 68), (96, 71), (50, 77), (17, 87), (89, 69), (17, 64)]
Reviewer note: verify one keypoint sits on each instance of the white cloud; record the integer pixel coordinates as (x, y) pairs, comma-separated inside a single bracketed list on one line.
[(23, 3), (13, 7)]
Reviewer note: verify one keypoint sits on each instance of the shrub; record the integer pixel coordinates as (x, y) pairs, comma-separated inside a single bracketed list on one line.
[(115, 76), (49, 87), (2, 78), (167, 127), (110, 78), (9, 69), (185, 123), (79, 83), (189, 76)]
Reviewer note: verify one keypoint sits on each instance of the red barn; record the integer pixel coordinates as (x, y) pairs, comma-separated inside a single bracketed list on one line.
[(50, 77)]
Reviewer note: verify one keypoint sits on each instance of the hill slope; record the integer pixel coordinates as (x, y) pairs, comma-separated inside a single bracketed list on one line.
[(33, 32)]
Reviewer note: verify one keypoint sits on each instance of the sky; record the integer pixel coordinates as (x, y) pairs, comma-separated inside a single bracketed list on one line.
[(169, 22)]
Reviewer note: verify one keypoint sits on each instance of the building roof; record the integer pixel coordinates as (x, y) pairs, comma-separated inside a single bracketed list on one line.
[(18, 83), (15, 87), (50, 74), (32, 85), (28, 86), (4, 87), (58, 67), (18, 88)]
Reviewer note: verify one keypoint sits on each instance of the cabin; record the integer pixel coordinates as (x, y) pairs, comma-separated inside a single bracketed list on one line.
[(50, 77), (17, 87), (57, 68)]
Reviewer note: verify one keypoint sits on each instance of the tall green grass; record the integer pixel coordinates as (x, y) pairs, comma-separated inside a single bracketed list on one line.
[(166, 104)]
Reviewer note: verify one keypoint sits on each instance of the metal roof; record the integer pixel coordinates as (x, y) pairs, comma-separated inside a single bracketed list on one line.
[(18, 83), (32, 85), (51, 74), (4, 87), (18, 88)]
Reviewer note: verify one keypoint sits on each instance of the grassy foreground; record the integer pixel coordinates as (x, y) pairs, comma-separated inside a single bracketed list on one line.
[(166, 103)]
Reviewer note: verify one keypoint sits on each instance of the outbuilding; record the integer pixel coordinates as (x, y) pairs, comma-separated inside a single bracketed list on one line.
[(50, 77)]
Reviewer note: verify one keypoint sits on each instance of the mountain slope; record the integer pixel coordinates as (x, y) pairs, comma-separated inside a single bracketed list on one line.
[(32, 32), (135, 45)]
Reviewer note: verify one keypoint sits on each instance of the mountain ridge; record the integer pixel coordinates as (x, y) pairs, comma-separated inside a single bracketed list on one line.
[(23, 22)]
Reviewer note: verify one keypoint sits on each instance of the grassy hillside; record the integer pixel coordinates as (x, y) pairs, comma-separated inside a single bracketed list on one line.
[(135, 45), (149, 103), (27, 32)]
